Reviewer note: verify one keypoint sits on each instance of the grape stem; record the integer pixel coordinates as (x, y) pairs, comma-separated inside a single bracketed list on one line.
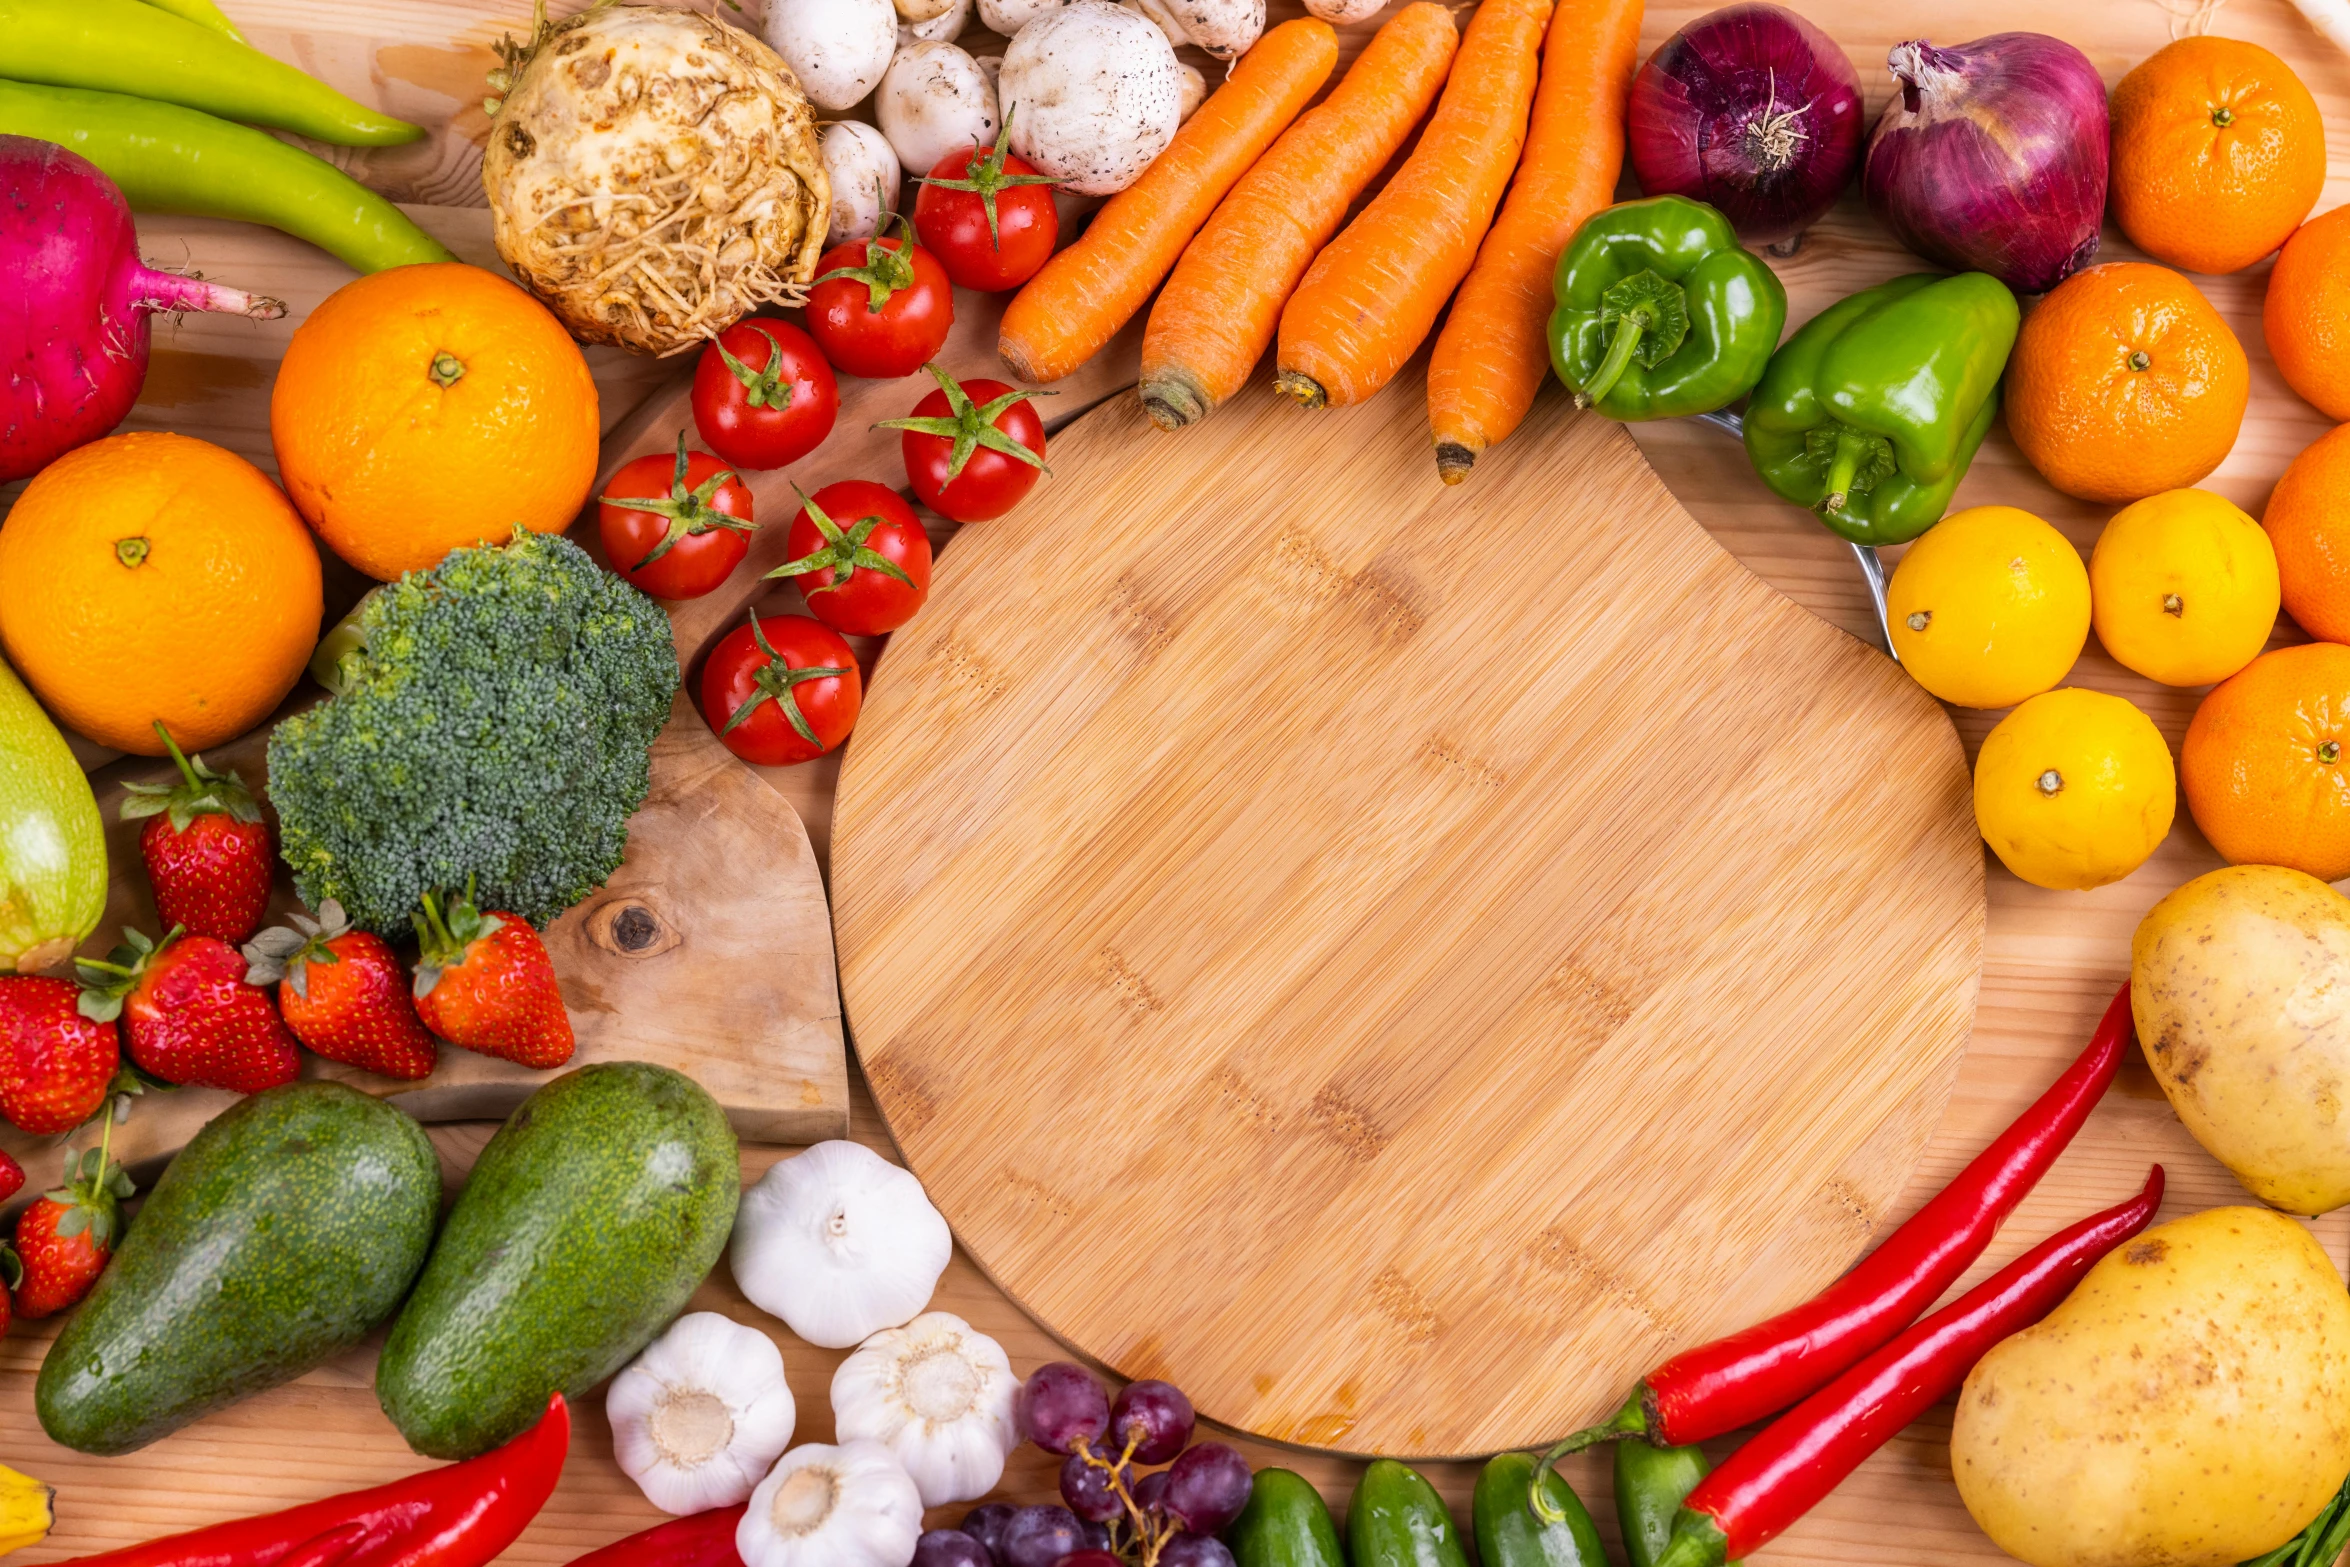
[(1149, 1539)]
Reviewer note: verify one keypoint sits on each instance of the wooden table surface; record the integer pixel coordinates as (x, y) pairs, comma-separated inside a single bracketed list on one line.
[(2052, 959)]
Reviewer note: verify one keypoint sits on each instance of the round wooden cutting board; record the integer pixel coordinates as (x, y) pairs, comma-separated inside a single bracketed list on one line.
[(1396, 961)]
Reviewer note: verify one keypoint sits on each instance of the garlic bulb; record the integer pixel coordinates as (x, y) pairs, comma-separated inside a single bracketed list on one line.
[(839, 1243), (701, 1414), (845, 1506), (938, 1394)]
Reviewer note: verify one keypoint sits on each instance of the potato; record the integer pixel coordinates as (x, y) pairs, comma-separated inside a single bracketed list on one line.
[(2240, 984), (2188, 1406)]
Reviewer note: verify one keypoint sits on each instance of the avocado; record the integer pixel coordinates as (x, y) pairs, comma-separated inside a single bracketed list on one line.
[(281, 1236), (589, 1220)]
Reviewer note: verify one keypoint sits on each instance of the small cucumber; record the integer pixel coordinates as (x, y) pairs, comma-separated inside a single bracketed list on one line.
[(52, 844), (1284, 1524), (1397, 1520), (1650, 1485), (1511, 1534)]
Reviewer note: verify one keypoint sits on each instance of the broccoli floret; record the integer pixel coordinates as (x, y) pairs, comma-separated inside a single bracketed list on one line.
[(494, 724)]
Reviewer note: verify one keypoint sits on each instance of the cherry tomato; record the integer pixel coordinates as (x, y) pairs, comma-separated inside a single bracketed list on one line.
[(879, 307), (971, 450), (987, 216), (763, 395), (780, 690), (861, 556), (674, 527)]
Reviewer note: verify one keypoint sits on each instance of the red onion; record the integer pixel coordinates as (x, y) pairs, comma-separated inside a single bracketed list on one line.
[(1752, 109), (1991, 158)]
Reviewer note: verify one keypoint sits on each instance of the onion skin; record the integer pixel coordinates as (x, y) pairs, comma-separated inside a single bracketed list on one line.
[(1753, 110), (1992, 157)]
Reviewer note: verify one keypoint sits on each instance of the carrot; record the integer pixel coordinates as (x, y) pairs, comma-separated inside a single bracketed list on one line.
[(1368, 301), (1215, 318), (1494, 350), (1086, 293)]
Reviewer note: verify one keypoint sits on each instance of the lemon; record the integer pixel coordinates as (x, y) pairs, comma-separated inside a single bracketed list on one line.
[(2183, 588), (1990, 605), (2074, 789)]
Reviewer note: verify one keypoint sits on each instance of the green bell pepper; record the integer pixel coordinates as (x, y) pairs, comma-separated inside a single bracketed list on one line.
[(1875, 407), (1661, 312)]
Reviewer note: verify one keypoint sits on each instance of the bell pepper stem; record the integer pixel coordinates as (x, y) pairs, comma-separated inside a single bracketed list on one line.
[(1630, 327), (1852, 449), (1697, 1541)]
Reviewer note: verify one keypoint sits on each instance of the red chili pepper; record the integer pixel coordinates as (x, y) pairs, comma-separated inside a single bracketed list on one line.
[(1796, 1460), (698, 1540), (460, 1515), (1735, 1381)]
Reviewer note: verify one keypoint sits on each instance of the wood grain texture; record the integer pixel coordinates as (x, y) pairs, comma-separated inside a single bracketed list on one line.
[(1185, 887)]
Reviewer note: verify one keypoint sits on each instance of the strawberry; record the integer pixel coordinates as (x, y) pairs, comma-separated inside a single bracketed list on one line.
[(206, 848), (342, 993), (190, 1016), (54, 1062), (484, 981), (11, 1178), (65, 1237)]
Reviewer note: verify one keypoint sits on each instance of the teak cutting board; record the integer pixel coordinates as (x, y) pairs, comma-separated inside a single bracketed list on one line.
[(1395, 1045)]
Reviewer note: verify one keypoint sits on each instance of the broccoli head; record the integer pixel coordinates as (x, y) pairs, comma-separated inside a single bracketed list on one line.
[(493, 722)]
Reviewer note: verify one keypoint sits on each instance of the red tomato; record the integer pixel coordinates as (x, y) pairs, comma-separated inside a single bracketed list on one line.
[(763, 395), (988, 217), (780, 690), (880, 308), (674, 527), (972, 450), (861, 556)]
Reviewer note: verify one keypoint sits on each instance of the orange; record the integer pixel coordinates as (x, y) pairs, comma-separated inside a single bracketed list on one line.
[(156, 577), (2306, 317), (430, 407), (2308, 520), (2218, 154), (2125, 383), (2264, 763)]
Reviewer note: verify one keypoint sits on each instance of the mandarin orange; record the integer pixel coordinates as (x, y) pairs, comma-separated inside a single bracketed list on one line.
[(2264, 767), (2308, 520), (429, 407), (2218, 154), (2125, 383), (2306, 317)]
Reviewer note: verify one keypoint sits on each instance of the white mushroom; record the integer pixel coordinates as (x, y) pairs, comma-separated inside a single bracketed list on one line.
[(1195, 91), (1340, 12), (864, 174), (839, 48), (1009, 16), (943, 28), (1224, 28), (934, 100), (1093, 93), (922, 10)]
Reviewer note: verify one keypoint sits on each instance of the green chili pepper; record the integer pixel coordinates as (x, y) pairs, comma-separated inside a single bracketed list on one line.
[(1508, 1532), (1650, 1484), (1875, 407), (151, 51), (1661, 312), (170, 159), (202, 12)]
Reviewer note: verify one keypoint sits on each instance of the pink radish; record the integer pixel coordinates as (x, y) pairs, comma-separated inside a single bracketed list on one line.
[(74, 303)]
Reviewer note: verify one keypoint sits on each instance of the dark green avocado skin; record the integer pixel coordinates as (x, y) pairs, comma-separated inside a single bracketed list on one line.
[(285, 1232), (587, 1224)]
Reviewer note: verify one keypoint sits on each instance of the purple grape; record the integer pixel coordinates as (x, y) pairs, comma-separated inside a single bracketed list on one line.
[(985, 1524), (1040, 1536), (1191, 1550), (1153, 1415), (1089, 1557), (1086, 1487), (1097, 1535), (1060, 1406), (1151, 1490), (1207, 1487), (950, 1548)]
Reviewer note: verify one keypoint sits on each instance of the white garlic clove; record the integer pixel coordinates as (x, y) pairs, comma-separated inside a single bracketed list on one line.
[(845, 1506), (938, 1394), (839, 1243), (701, 1415)]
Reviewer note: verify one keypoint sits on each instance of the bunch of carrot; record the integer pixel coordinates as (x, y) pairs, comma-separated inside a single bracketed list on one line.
[(1532, 103)]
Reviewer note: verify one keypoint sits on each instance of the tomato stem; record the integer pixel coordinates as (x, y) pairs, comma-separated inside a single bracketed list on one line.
[(985, 177), (842, 552), (885, 270), (691, 512), (970, 425), (768, 387), (779, 683)]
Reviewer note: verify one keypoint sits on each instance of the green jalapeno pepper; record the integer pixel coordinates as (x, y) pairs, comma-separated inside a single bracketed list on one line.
[(1661, 312), (1510, 1533), (1397, 1520), (170, 159), (1285, 1524), (1650, 1485), (148, 51), (1875, 407)]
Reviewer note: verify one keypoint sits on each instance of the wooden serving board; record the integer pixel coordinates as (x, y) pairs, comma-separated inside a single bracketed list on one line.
[(1397, 1048)]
